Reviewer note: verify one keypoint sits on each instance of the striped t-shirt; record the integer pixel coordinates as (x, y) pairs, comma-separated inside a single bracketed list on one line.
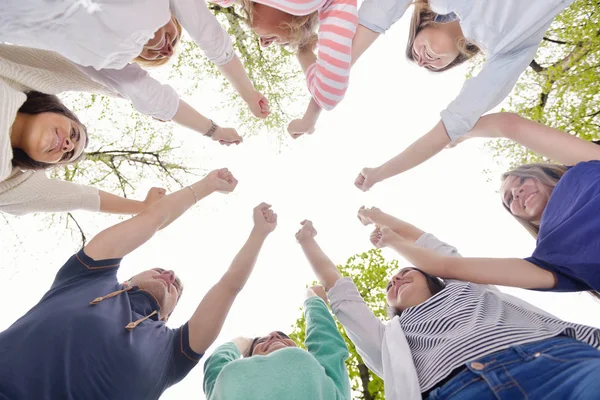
[(327, 79), (466, 321)]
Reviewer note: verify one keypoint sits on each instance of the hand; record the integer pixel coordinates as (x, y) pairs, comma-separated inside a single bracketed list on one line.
[(317, 290), (258, 104), (364, 214), (299, 127), (306, 232), (243, 344), (383, 237), (227, 136), (366, 179), (221, 180), (265, 220), (154, 195)]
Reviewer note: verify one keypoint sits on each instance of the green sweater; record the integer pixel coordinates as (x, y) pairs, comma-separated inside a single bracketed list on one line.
[(287, 374)]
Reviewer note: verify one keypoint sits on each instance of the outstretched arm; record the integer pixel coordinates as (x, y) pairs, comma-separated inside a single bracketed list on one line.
[(112, 204), (208, 319), (489, 271), (324, 268), (552, 143), (375, 216), (121, 239)]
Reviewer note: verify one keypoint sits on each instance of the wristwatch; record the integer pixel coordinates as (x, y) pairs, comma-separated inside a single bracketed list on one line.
[(213, 128)]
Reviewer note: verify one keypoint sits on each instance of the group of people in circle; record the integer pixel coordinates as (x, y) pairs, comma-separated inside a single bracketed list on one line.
[(450, 335)]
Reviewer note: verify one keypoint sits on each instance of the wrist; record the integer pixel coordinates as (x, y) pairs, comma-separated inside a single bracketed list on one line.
[(259, 233), (204, 187), (304, 241)]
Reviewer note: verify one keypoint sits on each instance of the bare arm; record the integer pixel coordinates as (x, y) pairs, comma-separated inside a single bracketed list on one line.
[(207, 321), (324, 268), (549, 142), (190, 118), (375, 216), (121, 239), (417, 153), (513, 272), (363, 39), (112, 204)]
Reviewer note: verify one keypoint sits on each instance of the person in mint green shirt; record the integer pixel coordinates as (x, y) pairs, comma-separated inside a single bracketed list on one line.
[(273, 367)]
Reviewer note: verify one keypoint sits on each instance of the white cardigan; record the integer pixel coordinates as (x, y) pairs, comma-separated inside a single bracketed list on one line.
[(104, 36), (382, 346), (21, 70)]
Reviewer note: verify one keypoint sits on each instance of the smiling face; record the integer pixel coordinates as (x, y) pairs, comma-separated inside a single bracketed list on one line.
[(269, 24), (274, 341), (49, 137), (162, 45), (435, 47), (163, 285), (408, 288), (525, 198)]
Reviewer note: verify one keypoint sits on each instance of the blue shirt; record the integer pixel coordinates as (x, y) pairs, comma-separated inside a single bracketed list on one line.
[(568, 243), (64, 348)]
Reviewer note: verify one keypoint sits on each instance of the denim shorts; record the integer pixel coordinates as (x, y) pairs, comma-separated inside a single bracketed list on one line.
[(556, 368)]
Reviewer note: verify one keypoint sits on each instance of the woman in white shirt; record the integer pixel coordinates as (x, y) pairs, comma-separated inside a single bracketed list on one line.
[(508, 32), (105, 36), (457, 339), (38, 132)]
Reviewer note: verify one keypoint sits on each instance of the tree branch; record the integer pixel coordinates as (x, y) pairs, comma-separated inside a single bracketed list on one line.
[(83, 238)]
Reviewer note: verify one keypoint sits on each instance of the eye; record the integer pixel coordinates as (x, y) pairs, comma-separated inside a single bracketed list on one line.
[(522, 180), (389, 285)]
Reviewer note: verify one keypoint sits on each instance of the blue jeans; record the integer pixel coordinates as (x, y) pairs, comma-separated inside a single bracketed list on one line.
[(557, 368)]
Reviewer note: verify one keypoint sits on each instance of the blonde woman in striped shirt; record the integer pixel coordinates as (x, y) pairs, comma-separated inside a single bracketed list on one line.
[(294, 23)]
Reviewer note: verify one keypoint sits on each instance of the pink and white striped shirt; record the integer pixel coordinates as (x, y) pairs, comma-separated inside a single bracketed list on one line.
[(327, 79)]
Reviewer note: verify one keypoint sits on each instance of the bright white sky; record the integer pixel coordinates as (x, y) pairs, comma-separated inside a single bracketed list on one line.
[(389, 104)]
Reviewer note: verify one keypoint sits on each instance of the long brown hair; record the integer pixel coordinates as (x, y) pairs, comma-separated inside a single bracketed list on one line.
[(548, 175), (38, 103), (424, 17)]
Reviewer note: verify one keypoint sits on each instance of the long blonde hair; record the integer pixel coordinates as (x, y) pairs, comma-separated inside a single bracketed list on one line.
[(142, 62), (424, 17), (302, 28)]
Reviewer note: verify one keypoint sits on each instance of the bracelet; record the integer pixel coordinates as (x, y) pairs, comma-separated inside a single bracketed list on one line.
[(194, 192), (212, 129)]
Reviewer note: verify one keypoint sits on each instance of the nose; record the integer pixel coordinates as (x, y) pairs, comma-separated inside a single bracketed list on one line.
[(167, 51), (169, 276), (517, 190), (67, 145), (421, 62)]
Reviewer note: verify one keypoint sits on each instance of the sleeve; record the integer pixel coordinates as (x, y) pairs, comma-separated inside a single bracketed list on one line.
[(326, 344), (80, 266), (485, 91), (380, 15), (205, 29), (223, 3), (222, 356), (429, 241), (133, 83), (362, 326), (564, 283), (34, 192), (327, 79), (184, 359)]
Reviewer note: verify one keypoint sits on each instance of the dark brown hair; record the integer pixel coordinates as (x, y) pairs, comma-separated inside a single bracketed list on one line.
[(434, 284), (256, 339), (424, 17), (38, 103)]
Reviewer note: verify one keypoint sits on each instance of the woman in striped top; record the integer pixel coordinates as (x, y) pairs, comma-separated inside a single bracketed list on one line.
[(467, 340), (293, 23), (558, 204)]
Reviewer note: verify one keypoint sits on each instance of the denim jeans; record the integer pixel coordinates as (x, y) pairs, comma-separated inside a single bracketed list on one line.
[(556, 368)]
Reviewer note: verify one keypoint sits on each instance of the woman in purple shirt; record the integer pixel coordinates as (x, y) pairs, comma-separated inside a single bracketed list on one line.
[(559, 204)]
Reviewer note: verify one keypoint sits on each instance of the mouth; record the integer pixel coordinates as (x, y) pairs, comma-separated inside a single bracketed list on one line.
[(526, 202), (56, 143)]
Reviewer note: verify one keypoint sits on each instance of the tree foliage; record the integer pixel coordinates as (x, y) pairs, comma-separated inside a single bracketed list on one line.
[(370, 272), (561, 87)]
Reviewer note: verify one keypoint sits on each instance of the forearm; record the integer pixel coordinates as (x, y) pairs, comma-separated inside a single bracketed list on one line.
[(190, 118), (111, 204), (324, 268), (420, 151), (312, 113), (236, 75), (424, 259), (402, 228), (363, 39), (207, 321)]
